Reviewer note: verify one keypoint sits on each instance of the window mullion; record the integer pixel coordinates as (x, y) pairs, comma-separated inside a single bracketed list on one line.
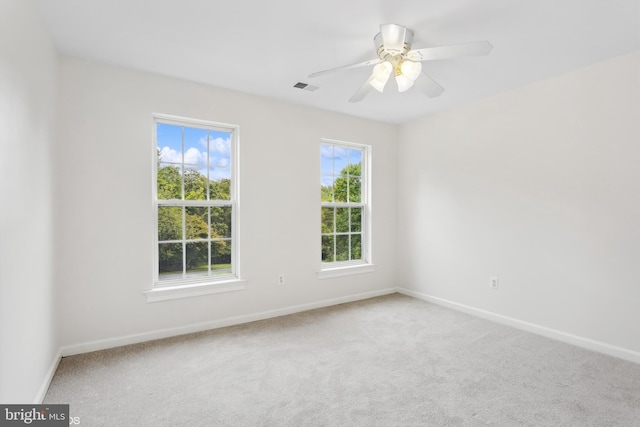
[(184, 241), (349, 232), (335, 235), (182, 165), (209, 244), (209, 240)]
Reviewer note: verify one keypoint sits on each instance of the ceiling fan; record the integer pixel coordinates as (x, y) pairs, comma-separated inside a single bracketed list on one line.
[(393, 46)]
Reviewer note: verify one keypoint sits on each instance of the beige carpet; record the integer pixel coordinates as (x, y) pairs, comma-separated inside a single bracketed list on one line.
[(388, 361)]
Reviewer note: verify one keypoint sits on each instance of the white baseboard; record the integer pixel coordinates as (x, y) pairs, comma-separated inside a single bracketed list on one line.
[(229, 321), (600, 347), (47, 379)]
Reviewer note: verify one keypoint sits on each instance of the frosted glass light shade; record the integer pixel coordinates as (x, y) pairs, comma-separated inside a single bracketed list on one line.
[(411, 69), (378, 84), (382, 70), (380, 75), (403, 82)]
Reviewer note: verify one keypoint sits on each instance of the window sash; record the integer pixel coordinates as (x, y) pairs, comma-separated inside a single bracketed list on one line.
[(363, 204), (210, 277)]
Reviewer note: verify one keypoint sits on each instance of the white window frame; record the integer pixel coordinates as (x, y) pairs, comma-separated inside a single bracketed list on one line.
[(195, 286), (364, 265)]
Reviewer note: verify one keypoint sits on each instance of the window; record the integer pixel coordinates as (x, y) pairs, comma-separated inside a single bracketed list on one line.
[(195, 190), (344, 204)]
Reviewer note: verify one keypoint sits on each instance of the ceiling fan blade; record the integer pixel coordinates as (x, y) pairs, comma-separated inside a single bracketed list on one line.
[(346, 67), (428, 86), (452, 51), (362, 92)]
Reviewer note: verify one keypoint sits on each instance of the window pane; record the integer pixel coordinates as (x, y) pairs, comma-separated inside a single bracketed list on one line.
[(197, 259), (220, 184), (355, 159), (221, 256), (340, 160), (170, 260), (355, 190), (342, 220), (169, 143), (169, 182), (327, 248), (327, 220), (197, 222), (326, 159), (195, 146), (340, 189), (195, 184), (221, 222), (326, 188), (356, 219), (342, 247), (169, 223), (220, 148), (356, 246)]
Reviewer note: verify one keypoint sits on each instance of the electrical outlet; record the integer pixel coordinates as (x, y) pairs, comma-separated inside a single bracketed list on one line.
[(281, 279), (493, 282)]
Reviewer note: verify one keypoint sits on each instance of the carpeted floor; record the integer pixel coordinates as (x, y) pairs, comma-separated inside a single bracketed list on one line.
[(388, 361)]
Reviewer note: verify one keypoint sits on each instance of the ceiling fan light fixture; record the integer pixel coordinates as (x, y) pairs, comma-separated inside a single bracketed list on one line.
[(380, 75), (382, 71), (393, 48), (411, 69), (404, 82), (378, 84)]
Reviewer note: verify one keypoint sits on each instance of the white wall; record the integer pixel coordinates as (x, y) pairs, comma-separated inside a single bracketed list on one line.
[(540, 187), (28, 340), (104, 232)]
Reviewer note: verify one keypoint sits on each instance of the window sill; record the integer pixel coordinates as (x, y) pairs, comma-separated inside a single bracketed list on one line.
[(346, 270), (164, 293)]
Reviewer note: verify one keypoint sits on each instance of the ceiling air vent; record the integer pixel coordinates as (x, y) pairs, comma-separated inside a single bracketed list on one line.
[(305, 86)]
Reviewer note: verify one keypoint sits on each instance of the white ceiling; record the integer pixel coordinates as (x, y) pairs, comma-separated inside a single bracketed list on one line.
[(265, 47)]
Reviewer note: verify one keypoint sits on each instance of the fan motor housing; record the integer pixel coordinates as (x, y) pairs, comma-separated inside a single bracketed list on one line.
[(398, 47)]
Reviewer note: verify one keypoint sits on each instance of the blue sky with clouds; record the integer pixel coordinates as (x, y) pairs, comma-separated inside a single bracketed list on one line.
[(197, 143), (333, 159)]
